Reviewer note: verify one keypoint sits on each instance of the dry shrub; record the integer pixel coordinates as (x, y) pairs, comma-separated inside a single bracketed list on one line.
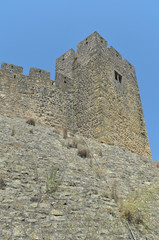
[(69, 143), (13, 131), (65, 133), (114, 194), (100, 171), (130, 211), (77, 141), (157, 165), (31, 131), (91, 163), (31, 121), (73, 142), (100, 153), (83, 151), (30, 114), (56, 130), (136, 208), (2, 183)]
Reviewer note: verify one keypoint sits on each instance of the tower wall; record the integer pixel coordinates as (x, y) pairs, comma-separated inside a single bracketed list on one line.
[(65, 62), (95, 93), (106, 99)]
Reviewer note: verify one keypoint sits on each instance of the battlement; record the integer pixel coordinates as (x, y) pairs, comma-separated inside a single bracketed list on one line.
[(33, 73), (39, 73), (6, 67), (86, 49), (89, 45)]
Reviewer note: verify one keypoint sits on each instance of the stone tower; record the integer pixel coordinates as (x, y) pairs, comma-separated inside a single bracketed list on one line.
[(105, 101), (95, 93)]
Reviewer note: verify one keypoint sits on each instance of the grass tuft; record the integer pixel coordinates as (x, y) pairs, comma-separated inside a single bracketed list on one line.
[(65, 133), (52, 183), (13, 131), (136, 208)]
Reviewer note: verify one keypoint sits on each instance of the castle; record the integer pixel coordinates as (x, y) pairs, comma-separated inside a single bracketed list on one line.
[(95, 93)]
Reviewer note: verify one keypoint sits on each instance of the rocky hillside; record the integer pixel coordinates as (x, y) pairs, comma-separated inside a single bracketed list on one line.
[(49, 192)]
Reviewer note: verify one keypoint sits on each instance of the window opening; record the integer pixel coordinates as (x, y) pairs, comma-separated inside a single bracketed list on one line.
[(118, 77)]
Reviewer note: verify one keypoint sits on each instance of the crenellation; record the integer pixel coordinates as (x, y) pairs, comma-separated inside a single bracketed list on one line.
[(95, 93), (89, 46), (39, 73), (11, 68)]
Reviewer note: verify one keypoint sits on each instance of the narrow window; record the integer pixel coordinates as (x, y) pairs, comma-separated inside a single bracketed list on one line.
[(118, 77)]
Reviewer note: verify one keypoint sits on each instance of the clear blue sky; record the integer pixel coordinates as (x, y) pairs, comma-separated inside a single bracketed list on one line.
[(36, 32)]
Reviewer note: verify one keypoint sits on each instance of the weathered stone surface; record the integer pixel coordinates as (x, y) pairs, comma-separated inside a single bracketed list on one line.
[(47, 191), (95, 93), (18, 230), (56, 212), (6, 235), (86, 204)]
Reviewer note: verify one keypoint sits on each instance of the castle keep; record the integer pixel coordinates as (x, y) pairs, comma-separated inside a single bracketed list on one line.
[(95, 93)]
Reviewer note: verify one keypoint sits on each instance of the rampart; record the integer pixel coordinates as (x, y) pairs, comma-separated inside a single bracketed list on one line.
[(95, 93)]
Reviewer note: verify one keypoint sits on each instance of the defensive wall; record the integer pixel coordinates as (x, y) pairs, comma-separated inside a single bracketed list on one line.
[(95, 93)]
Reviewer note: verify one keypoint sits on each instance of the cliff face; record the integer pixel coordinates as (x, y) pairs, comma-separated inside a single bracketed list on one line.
[(95, 93), (49, 192)]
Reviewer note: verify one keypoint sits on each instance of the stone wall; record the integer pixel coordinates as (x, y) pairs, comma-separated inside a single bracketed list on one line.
[(87, 203), (32, 96), (107, 102), (95, 93)]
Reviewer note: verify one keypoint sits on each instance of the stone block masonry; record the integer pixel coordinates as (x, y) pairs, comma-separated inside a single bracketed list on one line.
[(95, 93)]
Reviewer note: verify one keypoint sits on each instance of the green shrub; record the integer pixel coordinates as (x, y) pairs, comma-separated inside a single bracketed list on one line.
[(52, 183)]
